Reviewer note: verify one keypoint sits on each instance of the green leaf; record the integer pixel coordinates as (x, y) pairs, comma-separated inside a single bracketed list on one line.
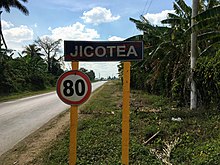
[(208, 14), (172, 21), (204, 24), (185, 8), (209, 35), (209, 48)]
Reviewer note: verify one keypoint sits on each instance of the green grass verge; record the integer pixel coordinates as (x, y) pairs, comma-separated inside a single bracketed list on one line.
[(193, 140), (20, 95)]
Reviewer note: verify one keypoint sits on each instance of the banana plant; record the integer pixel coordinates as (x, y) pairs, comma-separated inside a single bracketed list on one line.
[(166, 64)]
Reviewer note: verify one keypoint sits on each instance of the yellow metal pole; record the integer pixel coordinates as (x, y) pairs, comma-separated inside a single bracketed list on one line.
[(73, 127), (126, 113)]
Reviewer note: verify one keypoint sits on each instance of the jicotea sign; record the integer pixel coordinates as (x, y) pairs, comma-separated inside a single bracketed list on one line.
[(103, 50)]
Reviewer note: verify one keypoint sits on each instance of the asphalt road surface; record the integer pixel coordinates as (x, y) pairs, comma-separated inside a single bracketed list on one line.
[(20, 118)]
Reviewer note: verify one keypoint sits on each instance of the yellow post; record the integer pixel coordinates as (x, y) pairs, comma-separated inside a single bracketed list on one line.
[(73, 127), (126, 113)]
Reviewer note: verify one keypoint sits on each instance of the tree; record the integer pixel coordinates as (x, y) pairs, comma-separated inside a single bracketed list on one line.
[(206, 71), (166, 65), (1, 34), (90, 74), (32, 50), (164, 68), (51, 49), (84, 70), (194, 54), (7, 4)]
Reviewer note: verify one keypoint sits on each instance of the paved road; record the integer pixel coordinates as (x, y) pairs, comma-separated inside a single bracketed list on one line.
[(21, 117)]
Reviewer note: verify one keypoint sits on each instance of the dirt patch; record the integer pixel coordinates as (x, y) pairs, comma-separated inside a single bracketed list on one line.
[(29, 148)]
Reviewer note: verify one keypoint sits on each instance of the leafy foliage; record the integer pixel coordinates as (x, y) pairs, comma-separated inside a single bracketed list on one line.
[(90, 74), (7, 4), (51, 49), (27, 72), (165, 69), (208, 78)]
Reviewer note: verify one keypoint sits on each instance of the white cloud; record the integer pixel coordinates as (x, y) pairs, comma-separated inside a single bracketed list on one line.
[(6, 24), (99, 15), (15, 37), (18, 34), (75, 31), (156, 18), (115, 38)]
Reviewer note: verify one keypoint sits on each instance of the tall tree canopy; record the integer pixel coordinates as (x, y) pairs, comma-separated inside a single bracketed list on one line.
[(7, 4), (51, 49), (32, 50), (166, 65)]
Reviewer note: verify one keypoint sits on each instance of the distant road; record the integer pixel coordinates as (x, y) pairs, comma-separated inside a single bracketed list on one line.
[(20, 118)]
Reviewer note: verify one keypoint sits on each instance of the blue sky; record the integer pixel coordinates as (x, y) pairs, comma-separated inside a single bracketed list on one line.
[(100, 20)]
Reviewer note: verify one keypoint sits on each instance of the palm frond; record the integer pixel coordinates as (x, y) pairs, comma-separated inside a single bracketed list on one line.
[(172, 15), (143, 19), (208, 14), (213, 3), (160, 47), (177, 9), (144, 26), (171, 21), (21, 7), (135, 38), (184, 7), (209, 48), (209, 35), (204, 24)]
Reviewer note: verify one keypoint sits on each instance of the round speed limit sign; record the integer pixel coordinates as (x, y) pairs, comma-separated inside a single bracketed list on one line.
[(73, 87)]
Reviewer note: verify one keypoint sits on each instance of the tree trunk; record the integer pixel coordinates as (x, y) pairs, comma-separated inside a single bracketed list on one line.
[(194, 54), (1, 34), (0, 31)]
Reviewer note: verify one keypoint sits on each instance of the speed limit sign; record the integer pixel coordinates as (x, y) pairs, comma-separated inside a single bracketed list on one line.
[(73, 87)]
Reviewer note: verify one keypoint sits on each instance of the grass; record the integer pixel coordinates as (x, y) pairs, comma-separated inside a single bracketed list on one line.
[(23, 94), (193, 140)]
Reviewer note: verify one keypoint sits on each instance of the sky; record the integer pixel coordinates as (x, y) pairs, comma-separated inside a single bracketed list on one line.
[(84, 20)]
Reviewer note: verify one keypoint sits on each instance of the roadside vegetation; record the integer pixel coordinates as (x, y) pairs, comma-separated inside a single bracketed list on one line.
[(34, 71), (160, 132), (26, 73), (165, 69), (163, 129)]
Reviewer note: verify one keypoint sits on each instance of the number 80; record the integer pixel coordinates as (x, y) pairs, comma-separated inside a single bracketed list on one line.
[(69, 88)]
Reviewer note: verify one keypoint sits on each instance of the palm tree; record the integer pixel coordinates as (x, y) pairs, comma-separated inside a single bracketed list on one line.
[(32, 61), (32, 50), (7, 4)]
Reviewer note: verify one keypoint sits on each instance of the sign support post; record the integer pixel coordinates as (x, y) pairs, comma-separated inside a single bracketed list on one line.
[(97, 51), (73, 126), (126, 113)]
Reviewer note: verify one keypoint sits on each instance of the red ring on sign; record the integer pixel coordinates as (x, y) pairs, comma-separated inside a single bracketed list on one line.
[(81, 74)]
